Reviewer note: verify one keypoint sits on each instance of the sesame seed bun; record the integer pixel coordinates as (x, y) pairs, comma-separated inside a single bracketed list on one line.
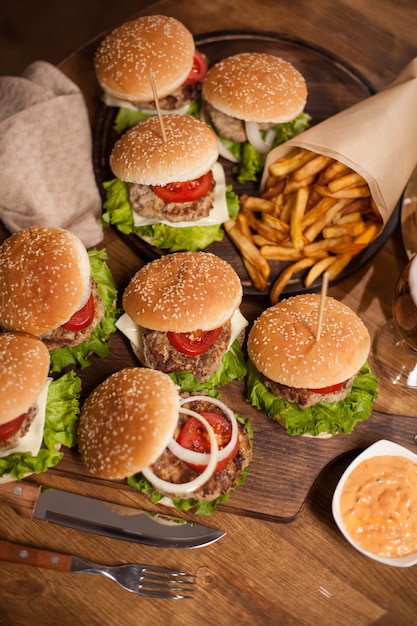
[(282, 343), (44, 278), (142, 156), (24, 366), (182, 292), (127, 422), (153, 43), (257, 87)]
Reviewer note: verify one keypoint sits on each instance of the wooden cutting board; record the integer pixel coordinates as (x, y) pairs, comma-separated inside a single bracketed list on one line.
[(283, 470)]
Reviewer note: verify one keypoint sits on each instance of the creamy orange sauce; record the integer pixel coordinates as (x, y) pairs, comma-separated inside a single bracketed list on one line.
[(379, 505)]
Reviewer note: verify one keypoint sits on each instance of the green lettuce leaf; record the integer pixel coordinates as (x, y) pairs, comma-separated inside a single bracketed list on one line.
[(118, 212), (98, 341), (139, 482), (334, 417), (61, 419), (250, 161), (233, 367), (127, 118)]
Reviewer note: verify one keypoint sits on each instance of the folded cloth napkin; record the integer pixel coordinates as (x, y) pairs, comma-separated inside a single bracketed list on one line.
[(46, 171)]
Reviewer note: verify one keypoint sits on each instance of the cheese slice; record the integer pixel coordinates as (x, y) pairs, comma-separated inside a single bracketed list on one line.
[(111, 101), (32, 441), (218, 214), (135, 333)]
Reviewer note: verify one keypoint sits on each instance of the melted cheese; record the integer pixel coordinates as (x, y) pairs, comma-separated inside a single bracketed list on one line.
[(111, 101), (134, 332), (218, 214), (32, 441)]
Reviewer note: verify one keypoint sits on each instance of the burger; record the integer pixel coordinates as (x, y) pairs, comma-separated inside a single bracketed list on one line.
[(187, 452), (255, 101), (53, 289), (37, 414), (169, 188), (152, 45), (182, 317), (317, 385)]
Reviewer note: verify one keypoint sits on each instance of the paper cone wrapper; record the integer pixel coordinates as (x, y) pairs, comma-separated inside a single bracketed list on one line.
[(376, 138)]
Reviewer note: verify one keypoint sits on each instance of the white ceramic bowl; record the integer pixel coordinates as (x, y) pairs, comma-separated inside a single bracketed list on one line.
[(380, 448)]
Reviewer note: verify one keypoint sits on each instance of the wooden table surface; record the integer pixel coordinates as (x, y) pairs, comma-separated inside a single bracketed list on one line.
[(261, 572)]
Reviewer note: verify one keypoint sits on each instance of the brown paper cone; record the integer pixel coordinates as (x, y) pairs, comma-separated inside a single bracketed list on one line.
[(376, 138)]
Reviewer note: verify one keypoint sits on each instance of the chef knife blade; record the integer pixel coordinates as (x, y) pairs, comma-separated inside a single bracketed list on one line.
[(90, 515)]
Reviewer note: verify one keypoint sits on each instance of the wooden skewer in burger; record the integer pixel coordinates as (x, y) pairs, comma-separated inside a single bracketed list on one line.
[(191, 451)]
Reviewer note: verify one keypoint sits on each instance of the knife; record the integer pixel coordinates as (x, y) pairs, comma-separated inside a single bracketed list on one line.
[(409, 216), (90, 515)]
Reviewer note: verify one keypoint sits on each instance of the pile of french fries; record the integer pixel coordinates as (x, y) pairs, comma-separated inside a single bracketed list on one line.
[(315, 214)]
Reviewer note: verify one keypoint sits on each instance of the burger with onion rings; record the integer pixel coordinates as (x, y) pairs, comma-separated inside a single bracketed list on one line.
[(187, 452)]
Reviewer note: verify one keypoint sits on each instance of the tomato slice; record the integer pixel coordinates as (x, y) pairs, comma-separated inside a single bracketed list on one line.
[(194, 436), (10, 428), (328, 389), (184, 192), (194, 343), (83, 317), (199, 69)]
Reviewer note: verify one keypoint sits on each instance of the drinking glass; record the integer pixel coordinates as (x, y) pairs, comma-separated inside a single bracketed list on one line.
[(395, 343)]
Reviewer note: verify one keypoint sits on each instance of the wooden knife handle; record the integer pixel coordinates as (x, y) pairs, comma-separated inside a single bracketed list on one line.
[(22, 496), (16, 553)]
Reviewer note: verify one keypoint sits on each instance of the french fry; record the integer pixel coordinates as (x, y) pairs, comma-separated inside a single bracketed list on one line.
[(258, 280), (275, 222), (332, 171), (352, 179), (284, 278), (368, 235), (296, 231), (318, 268), (339, 263), (312, 167), (292, 184), (247, 249), (323, 205), (354, 229), (290, 163), (243, 223), (316, 227), (280, 253), (251, 203), (326, 245)]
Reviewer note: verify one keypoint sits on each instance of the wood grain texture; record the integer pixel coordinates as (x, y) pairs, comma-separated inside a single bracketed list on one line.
[(261, 572)]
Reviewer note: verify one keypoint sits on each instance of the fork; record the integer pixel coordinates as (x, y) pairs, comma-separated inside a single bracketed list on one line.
[(143, 580)]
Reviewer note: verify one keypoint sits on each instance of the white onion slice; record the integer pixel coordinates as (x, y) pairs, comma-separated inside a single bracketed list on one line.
[(202, 458), (192, 485), (255, 138), (225, 152)]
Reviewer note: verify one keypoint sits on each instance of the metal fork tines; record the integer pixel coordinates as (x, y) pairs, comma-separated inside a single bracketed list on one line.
[(144, 580)]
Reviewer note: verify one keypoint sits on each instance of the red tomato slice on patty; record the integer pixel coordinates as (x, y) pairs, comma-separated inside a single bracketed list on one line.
[(194, 436), (82, 318), (329, 389), (199, 69), (194, 343), (10, 428), (184, 192)]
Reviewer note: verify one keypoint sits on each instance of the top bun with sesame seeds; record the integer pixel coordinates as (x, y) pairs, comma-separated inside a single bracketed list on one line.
[(311, 378), (183, 292), (155, 44), (44, 277), (127, 422), (256, 86), (142, 155)]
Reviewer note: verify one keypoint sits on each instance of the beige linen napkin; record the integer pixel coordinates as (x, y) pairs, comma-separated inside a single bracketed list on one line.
[(46, 172), (376, 137)]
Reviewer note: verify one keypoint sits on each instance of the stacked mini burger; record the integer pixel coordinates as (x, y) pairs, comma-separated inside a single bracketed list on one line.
[(182, 317), (157, 45), (255, 101), (190, 453), (313, 384), (53, 289), (169, 188), (37, 414)]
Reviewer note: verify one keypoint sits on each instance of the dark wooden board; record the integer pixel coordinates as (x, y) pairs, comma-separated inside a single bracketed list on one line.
[(284, 468), (333, 85)]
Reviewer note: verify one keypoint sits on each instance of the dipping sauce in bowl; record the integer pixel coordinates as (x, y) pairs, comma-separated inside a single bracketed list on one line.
[(375, 504)]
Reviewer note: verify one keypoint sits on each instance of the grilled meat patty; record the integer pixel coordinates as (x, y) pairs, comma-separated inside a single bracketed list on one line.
[(61, 337), (307, 397), (30, 416), (169, 467), (230, 127), (158, 353), (186, 94), (147, 204)]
